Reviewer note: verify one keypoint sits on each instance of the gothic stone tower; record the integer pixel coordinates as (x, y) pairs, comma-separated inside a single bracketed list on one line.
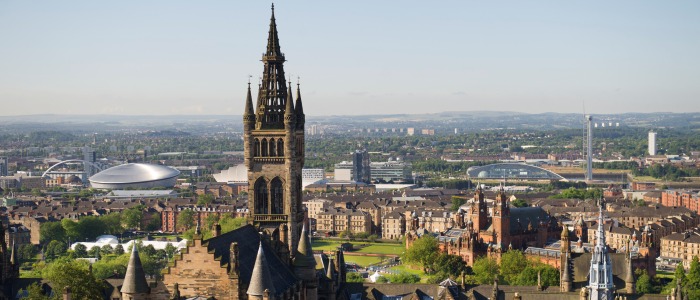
[(274, 150), (501, 219), (478, 211)]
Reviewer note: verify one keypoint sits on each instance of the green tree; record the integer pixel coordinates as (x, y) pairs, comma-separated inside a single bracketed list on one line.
[(66, 272), (512, 264), (26, 252), (80, 250), (519, 203), (105, 268), (644, 283), (693, 279), (382, 279), (448, 265), (155, 223), (185, 219), (34, 292), (131, 218), (118, 249), (94, 252), (106, 250), (210, 220), (229, 223), (485, 270), (404, 277), (354, 277), (170, 250), (55, 249), (457, 202), (679, 274), (422, 252), (50, 231), (205, 199)]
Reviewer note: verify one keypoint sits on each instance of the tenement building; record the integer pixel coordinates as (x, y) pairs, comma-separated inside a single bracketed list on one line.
[(680, 247)]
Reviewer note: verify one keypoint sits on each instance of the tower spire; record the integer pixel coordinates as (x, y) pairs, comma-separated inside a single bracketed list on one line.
[(272, 95), (301, 118), (600, 280), (249, 114), (273, 42), (304, 256), (289, 106), (135, 278), (260, 279)]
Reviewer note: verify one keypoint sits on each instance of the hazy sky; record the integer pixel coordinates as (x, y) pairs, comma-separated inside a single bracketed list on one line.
[(353, 57)]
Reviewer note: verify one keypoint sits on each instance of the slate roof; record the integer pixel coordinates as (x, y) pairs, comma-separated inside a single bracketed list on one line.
[(526, 215), (248, 240)]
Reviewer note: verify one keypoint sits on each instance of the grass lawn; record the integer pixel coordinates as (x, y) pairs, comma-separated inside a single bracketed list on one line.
[(363, 261), (325, 245), (395, 249), (376, 248), (403, 268)]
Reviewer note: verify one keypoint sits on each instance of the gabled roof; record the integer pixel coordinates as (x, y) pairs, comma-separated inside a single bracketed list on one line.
[(248, 240)]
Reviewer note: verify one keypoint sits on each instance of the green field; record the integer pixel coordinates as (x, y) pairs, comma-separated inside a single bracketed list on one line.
[(362, 261), (395, 249), (376, 248), (403, 268), (325, 245)]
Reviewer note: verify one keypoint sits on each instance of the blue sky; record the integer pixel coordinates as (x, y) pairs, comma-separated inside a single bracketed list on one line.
[(353, 57)]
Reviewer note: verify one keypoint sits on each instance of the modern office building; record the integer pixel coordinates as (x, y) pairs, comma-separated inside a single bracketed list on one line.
[(652, 143), (361, 170), (396, 171), (3, 166)]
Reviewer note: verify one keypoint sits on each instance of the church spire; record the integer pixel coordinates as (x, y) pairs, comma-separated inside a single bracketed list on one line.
[(272, 96), (600, 280), (273, 42)]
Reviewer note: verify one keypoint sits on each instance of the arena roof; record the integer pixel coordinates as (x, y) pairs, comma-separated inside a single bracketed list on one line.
[(511, 171), (134, 173)]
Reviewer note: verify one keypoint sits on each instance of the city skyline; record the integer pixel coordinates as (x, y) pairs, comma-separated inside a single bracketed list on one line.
[(165, 58)]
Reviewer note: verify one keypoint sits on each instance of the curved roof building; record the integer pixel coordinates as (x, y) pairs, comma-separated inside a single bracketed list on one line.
[(511, 171), (136, 175)]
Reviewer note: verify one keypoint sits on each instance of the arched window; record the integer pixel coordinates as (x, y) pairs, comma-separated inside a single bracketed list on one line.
[(263, 147), (273, 151), (277, 199), (260, 199), (280, 147), (256, 148)]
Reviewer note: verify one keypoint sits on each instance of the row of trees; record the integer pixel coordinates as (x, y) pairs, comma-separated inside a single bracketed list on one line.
[(86, 282), (583, 194), (514, 268), (425, 253), (90, 227), (667, 171)]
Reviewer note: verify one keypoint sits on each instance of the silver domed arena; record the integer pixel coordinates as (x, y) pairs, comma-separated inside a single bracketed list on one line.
[(135, 176)]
